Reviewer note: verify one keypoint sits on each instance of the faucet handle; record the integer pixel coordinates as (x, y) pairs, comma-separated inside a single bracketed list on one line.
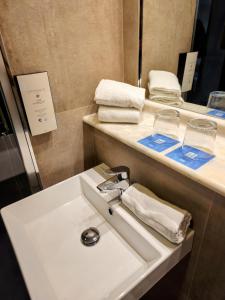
[(121, 171), (119, 180)]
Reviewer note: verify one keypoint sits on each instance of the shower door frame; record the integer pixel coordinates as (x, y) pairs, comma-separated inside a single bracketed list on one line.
[(19, 122)]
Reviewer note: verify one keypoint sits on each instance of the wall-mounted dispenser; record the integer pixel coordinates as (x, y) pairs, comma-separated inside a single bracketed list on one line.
[(37, 100)]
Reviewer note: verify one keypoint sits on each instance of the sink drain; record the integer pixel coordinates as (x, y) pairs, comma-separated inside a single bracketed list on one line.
[(90, 236)]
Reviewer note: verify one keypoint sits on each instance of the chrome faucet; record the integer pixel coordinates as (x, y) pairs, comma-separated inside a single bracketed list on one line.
[(120, 179)]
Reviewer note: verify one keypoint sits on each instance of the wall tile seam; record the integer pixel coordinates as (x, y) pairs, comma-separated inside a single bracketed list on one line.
[(123, 46), (77, 108)]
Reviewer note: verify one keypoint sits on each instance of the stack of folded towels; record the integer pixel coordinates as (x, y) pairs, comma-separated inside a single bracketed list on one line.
[(169, 220), (164, 87), (119, 102)]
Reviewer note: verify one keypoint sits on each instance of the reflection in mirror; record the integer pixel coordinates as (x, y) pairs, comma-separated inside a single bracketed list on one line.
[(167, 32), (209, 41), (172, 28)]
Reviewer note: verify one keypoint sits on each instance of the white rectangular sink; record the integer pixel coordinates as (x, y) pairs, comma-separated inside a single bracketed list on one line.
[(45, 230)]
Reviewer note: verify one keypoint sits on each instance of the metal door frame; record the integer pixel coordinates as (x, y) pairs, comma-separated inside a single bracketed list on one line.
[(19, 121)]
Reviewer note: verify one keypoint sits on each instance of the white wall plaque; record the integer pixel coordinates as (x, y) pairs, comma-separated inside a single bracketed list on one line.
[(37, 99), (189, 71)]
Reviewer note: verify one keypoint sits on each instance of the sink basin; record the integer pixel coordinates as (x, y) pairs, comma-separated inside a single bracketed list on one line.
[(45, 230)]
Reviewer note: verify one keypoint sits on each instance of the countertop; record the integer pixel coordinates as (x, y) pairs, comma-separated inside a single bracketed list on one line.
[(211, 175)]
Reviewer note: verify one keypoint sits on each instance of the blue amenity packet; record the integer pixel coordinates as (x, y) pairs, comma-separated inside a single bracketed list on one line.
[(217, 113), (158, 142), (190, 156)]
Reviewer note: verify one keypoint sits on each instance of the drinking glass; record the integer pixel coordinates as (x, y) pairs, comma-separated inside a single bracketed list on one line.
[(167, 122), (217, 100), (201, 134)]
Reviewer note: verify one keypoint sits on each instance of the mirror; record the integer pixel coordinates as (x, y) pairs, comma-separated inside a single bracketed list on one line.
[(209, 41), (169, 28)]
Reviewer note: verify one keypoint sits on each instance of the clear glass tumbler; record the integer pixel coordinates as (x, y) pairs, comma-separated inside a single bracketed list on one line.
[(167, 122), (217, 100), (201, 134)]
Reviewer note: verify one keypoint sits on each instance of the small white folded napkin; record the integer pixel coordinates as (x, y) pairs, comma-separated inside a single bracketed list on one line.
[(169, 220), (163, 83), (115, 93), (118, 114)]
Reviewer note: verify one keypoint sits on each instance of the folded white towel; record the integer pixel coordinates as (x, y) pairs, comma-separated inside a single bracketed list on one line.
[(169, 100), (114, 93), (118, 114), (169, 220), (163, 83)]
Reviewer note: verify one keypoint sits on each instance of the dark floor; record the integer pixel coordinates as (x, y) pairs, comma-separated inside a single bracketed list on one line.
[(12, 286)]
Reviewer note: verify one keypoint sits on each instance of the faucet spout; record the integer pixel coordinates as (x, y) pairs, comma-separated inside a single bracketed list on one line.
[(120, 180)]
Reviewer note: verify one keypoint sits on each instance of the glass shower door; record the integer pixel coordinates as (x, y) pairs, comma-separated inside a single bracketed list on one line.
[(18, 179), (14, 184)]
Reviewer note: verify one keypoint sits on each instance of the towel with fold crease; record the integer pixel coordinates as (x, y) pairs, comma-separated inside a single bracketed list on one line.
[(169, 220), (169, 100), (164, 83), (118, 114), (115, 93)]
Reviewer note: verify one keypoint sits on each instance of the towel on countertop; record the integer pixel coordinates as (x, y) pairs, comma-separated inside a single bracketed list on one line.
[(163, 83), (168, 100), (118, 114), (115, 93), (169, 220)]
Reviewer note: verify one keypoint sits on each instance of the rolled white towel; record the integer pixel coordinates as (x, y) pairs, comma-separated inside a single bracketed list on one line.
[(115, 93), (169, 220), (118, 114), (163, 83)]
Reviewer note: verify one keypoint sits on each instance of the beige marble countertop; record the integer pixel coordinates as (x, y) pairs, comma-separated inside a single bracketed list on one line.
[(211, 175)]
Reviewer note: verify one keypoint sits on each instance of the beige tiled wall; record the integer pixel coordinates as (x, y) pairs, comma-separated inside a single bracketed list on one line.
[(131, 11), (60, 154), (78, 43), (167, 31)]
